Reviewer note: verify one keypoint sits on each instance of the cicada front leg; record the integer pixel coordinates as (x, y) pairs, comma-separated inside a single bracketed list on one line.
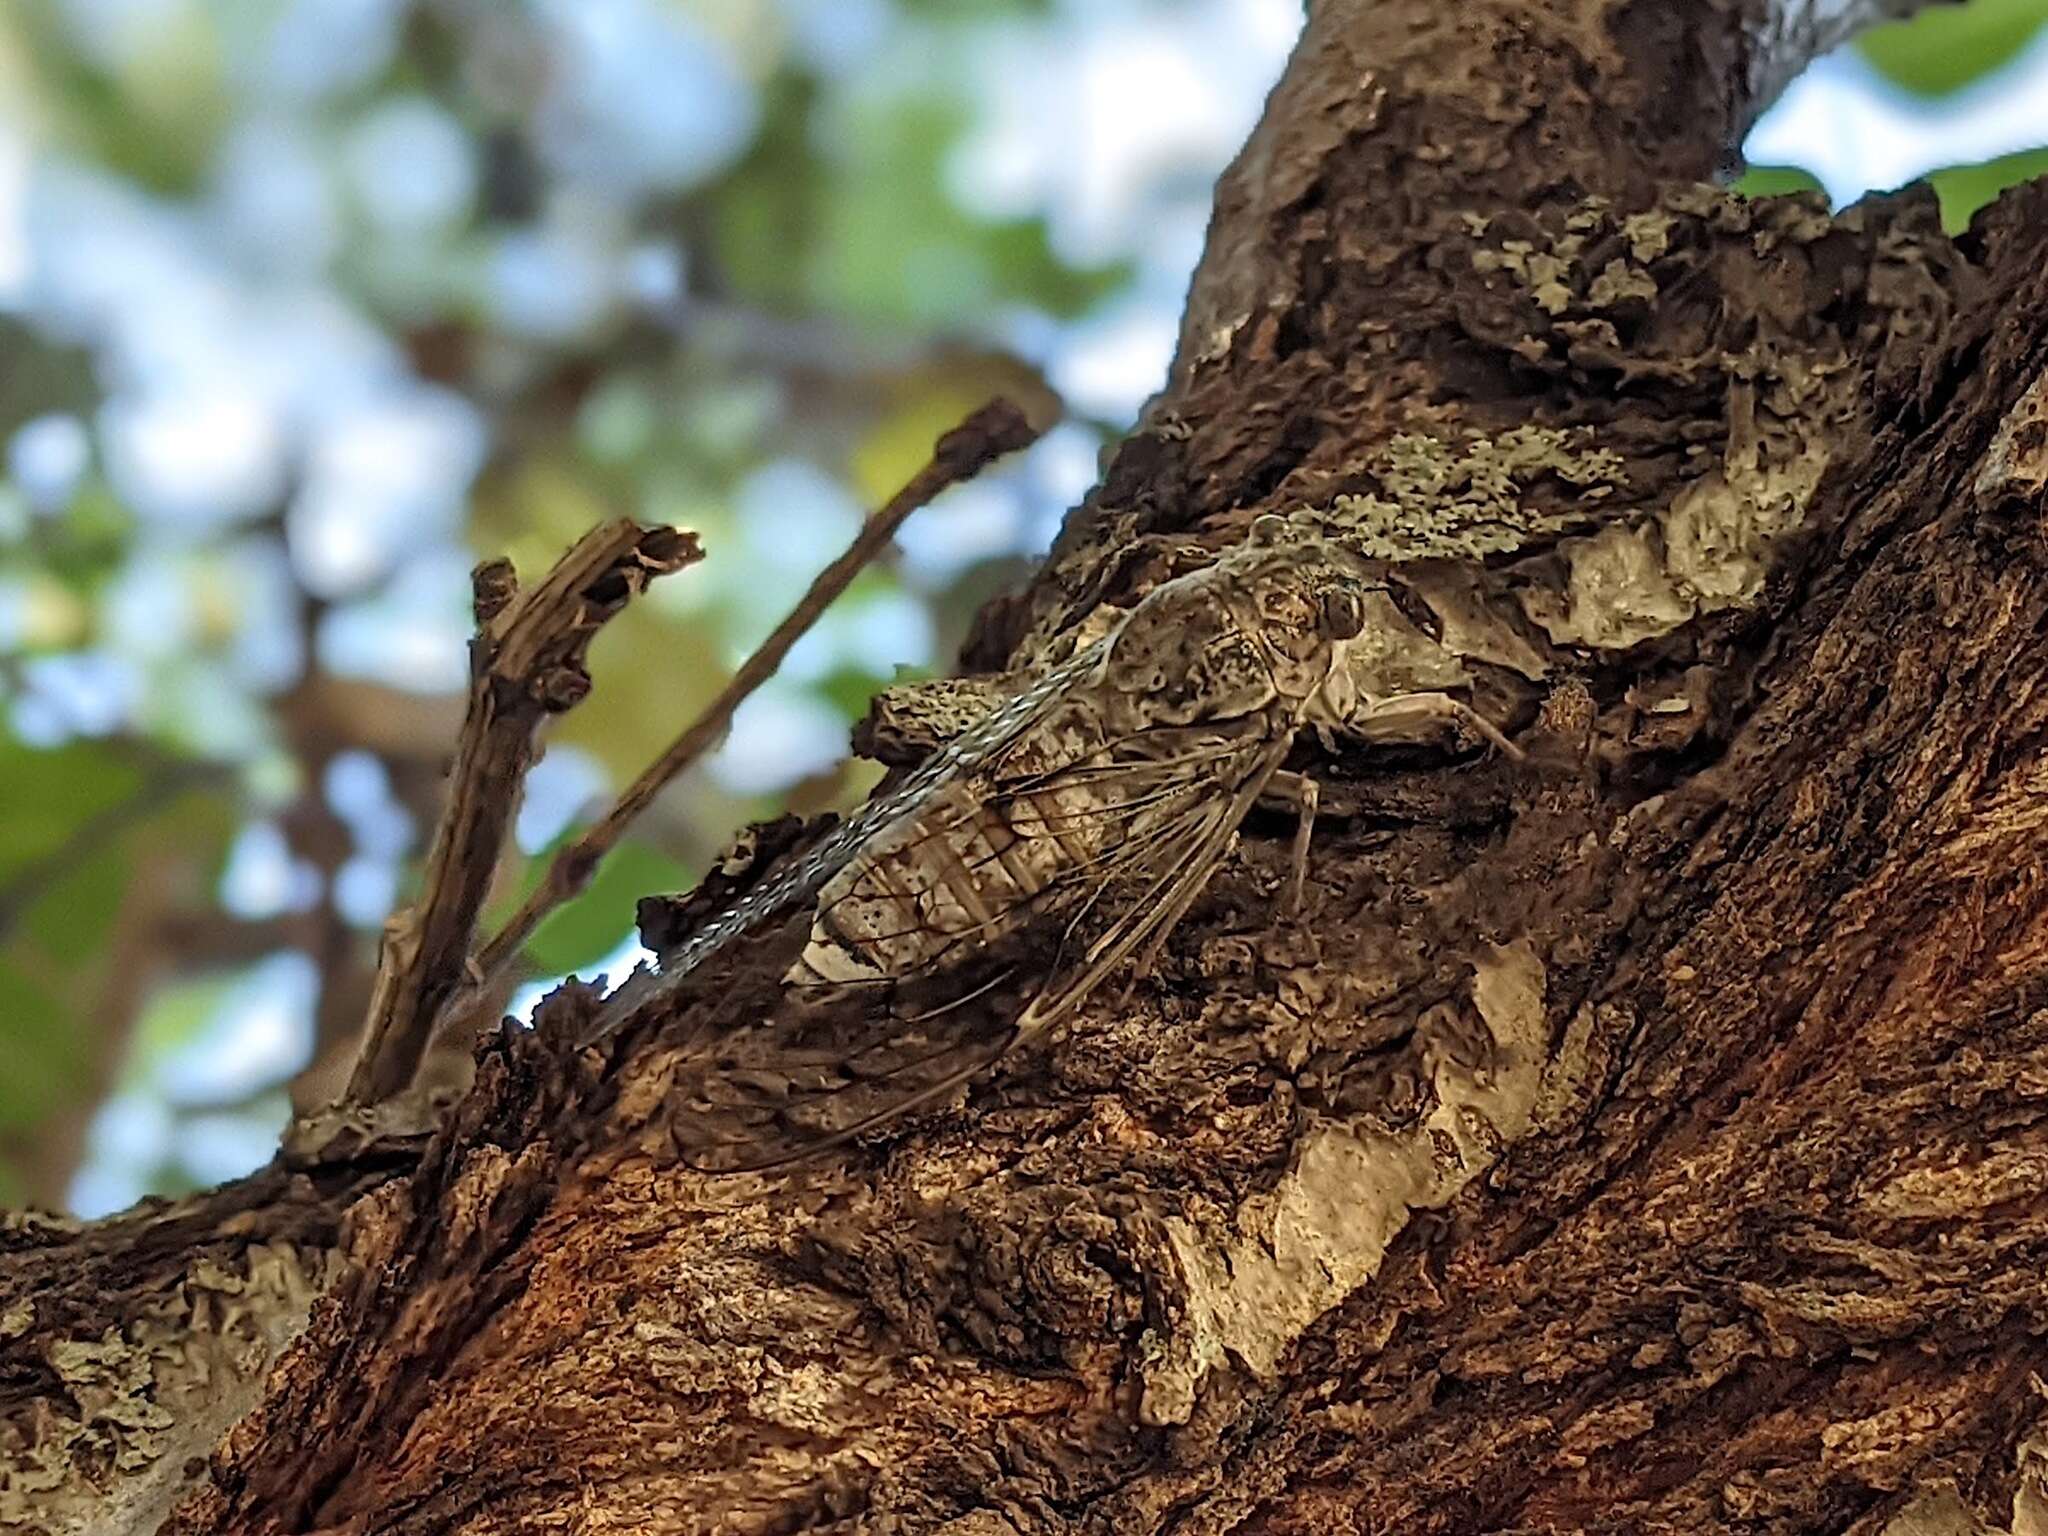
[(1409, 717), (1299, 793)]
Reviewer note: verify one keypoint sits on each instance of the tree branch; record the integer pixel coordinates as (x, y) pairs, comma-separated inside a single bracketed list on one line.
[(1787, 35), (996, 429), (1397, 120), (526, 663), (1648, 1138)]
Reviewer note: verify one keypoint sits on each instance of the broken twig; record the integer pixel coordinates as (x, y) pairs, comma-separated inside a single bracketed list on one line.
[(526, 663), (996, 429)]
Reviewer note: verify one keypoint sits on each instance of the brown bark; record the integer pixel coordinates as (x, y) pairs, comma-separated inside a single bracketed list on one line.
[(1650, 1137)]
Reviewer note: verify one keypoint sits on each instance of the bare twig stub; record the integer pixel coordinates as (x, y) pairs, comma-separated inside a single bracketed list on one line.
[(526, 663), (996, 429)]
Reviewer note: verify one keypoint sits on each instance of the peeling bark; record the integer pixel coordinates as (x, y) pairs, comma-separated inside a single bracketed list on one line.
[(1649, 1137)]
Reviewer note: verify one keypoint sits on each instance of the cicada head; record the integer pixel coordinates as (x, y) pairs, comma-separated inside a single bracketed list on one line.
[(1304, 601), (1265, 626)]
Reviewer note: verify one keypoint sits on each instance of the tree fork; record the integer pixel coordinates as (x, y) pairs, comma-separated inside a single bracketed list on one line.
[(1647, 1138)]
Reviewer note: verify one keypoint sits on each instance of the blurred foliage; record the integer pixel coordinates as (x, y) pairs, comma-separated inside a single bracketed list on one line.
[(879, 236), (1947, 47), (582, 933), (656, 250), (152, 115), (1942, 56), (1775, 181), (1963, 189)]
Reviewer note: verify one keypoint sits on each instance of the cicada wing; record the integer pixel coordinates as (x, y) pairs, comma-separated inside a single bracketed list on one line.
[(805, 875), (1012, 843), (872, 1054), (963, 754), (850, 1064), (1186, 863)]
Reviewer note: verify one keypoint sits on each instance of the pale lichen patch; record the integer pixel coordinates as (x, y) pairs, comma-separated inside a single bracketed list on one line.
[(1469, 625), (1568, 1074), (2016, 463), (1256, 1280), (1712, 547), (142, 1401), (1617, 282), (1940, 1511), (1391, 656), (2030, 1500), (1712, 542), (1616, 594), (1469, 498)]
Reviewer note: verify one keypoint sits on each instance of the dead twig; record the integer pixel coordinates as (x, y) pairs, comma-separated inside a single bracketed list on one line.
[(526, 663), (996, 429)]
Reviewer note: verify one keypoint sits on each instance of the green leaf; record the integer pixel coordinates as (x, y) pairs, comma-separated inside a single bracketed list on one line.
[(1963, 189), (583, 932), (1775, 181), (1947, 46), (36, 1044), (73, 916), (49, 794)]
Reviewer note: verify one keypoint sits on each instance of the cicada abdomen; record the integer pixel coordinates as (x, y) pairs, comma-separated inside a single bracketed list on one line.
[(1029, 833)]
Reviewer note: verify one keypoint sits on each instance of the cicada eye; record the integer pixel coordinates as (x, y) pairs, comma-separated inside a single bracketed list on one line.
[(1343, 613)]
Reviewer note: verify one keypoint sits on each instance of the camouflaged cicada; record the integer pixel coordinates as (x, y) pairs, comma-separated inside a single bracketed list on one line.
[(1080, 820)]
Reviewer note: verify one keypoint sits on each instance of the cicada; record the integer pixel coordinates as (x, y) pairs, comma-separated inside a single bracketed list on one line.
[(1084, 817)]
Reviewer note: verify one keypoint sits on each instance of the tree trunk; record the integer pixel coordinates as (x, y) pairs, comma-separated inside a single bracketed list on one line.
[(1649, 1135)]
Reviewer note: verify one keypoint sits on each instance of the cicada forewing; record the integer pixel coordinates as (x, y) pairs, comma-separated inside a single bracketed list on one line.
[(987, 919)]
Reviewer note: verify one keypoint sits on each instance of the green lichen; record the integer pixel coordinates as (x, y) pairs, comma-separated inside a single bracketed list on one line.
[(1554, 275), (1542, 272), (1648, 234), (1711, 545), (1442, 499), (1618, 281), (139, 1402)]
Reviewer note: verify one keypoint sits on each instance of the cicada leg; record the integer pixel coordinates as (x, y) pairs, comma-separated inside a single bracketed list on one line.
[(1301, 794), (1407, 716)]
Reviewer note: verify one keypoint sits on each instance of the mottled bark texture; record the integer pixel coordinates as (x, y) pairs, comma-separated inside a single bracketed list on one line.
[(1649, 1137)]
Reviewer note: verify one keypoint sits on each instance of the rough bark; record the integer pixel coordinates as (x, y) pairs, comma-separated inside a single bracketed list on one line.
[(1650, 1137)]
